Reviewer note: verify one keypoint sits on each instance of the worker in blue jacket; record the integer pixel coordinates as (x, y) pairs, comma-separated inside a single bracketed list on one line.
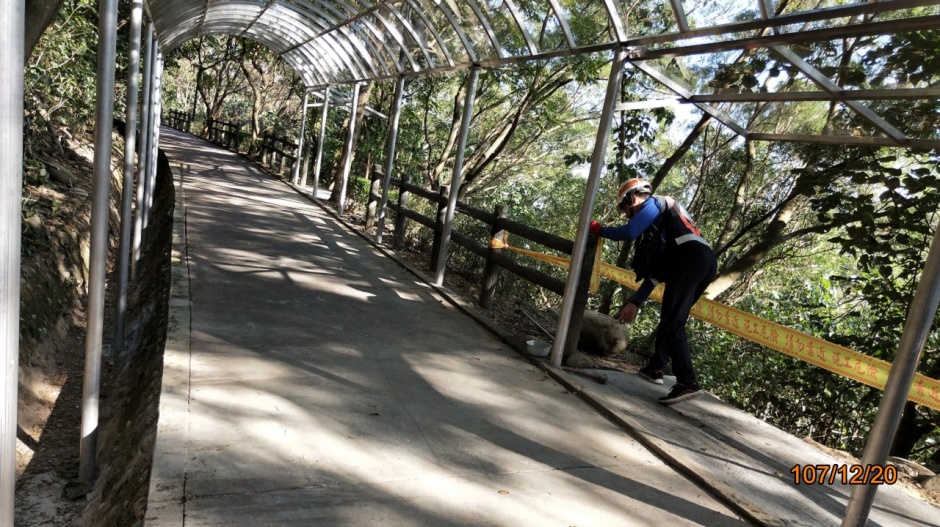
[(668, 248)]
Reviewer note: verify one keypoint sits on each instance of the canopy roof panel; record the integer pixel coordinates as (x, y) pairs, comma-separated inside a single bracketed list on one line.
[(330, 42)]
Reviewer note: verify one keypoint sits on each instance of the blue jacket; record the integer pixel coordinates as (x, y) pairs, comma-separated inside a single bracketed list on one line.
[(678, 225)]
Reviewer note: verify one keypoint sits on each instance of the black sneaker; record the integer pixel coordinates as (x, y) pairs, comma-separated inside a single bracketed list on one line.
[(653, 376), (680, 393)]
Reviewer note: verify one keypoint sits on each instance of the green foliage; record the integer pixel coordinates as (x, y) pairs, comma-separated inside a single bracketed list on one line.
[(234, 80), (60, 76), (358, 189), (791, 394)]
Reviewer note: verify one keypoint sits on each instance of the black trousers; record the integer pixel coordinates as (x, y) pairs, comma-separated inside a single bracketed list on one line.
[(691, 268)]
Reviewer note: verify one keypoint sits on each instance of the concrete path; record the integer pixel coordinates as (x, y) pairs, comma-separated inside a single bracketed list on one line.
[(309, 379)]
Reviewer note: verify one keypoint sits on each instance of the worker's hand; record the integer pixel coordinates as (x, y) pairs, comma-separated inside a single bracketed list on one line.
[(595, 228), (628, 313)]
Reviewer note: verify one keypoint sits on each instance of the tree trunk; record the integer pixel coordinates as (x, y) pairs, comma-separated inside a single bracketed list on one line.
[(434, 178), (910, 432), (771, 237), (39, 15), (680, 152), (736, 215)]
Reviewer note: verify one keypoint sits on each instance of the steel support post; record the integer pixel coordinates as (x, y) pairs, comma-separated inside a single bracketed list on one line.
[(151, 115), (156, 101), (317, 164), (347, 166), (390, 155), (587, 207), (98, 254), (300, 142), (913, 337), (458, 173), (127, 189), (12, 24), (144, 149)]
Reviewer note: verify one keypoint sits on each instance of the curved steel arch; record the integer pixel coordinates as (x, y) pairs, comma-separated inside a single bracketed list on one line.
[(331, 42)]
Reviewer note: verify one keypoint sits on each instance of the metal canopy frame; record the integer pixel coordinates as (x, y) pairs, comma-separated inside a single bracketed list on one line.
[(336, 42), (348, 42)]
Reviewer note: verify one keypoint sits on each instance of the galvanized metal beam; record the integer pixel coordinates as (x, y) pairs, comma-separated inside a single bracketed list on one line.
[(924, 23), (587, 206), (678, 10), (848, 140), (347, 165), (485, 24), (127, 187), (800, 96), (144, 149), (465, 120), (98, 252), (300, 140), (521, 23), (835, 13), (828, 85), (442, 45), (390, 156), (916, 330), (317, 163), (685, 92), (12, 31), (563, 23), (157, 104)]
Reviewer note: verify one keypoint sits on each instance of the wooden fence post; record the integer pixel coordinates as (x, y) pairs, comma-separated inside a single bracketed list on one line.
[(375, 189), (491, 269), (439, 227), (400, 219), (581, 296), (264, 149)]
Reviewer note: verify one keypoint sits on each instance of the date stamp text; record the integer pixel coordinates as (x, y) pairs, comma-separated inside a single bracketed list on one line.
[(844, 474)]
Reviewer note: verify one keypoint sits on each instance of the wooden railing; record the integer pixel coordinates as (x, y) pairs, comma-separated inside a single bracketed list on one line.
[(178, 120), (494, 258), (225, 134), (276, 152)]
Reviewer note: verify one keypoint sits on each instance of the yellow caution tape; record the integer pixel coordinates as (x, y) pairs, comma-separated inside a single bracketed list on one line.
[(832, 357), (564, 263)]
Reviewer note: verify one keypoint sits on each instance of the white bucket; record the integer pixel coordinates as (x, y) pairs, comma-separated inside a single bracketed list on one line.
[(538, 348)]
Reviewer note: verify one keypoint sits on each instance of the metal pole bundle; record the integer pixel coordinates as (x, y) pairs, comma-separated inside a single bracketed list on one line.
[(127, 190), (142, 163), (156, 101)]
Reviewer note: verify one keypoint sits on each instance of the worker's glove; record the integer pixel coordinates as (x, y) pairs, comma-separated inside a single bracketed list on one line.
[(595, 228)]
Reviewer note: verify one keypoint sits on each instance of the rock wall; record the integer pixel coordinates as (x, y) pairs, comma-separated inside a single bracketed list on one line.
[(56, 226), (129, 418)]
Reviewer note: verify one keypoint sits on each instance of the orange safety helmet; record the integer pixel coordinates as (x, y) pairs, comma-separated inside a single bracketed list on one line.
[(631, 188)]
